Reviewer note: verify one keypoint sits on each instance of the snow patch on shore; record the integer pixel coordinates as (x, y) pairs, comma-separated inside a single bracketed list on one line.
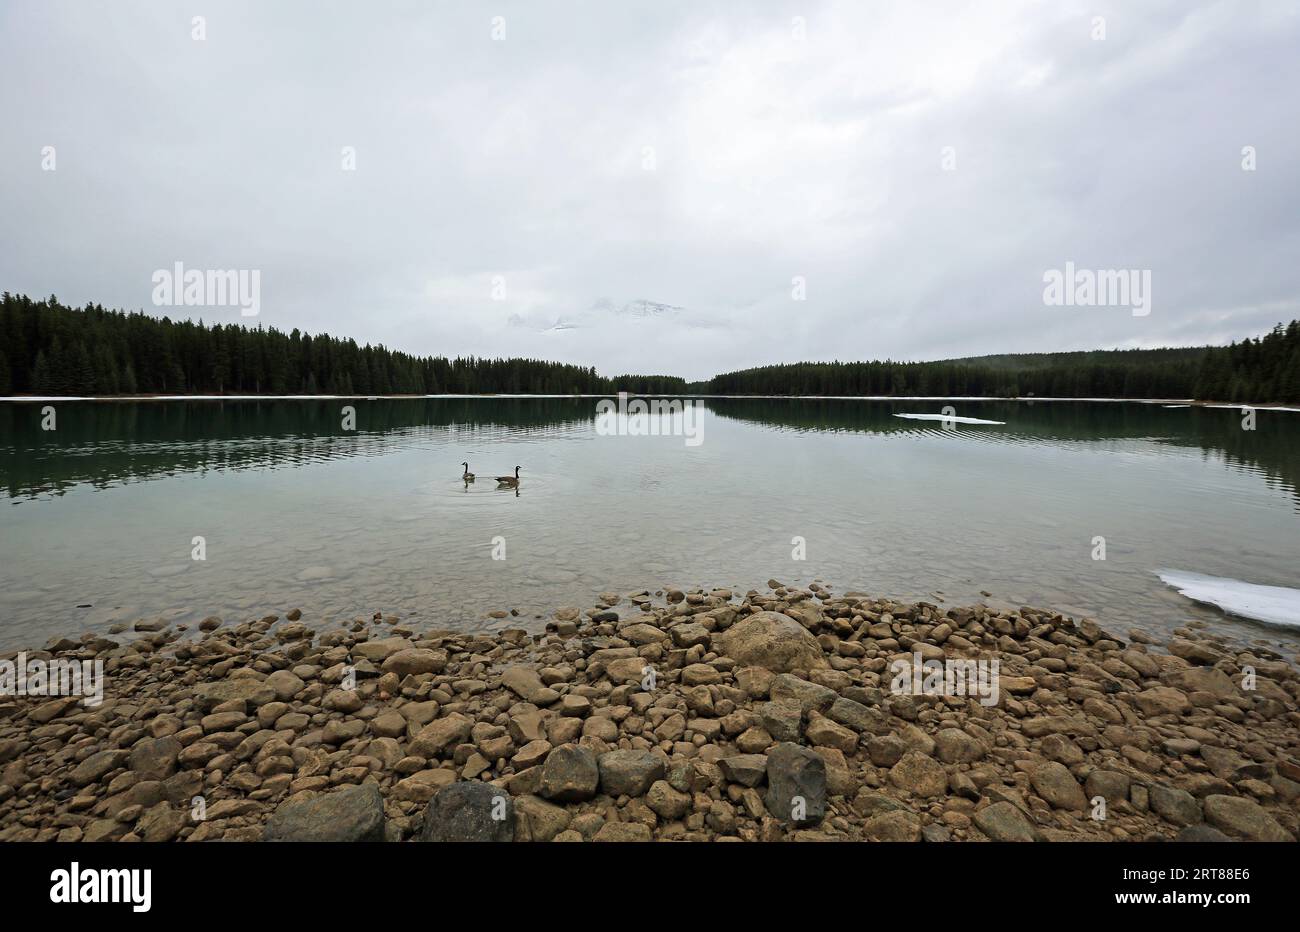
[(1275, 605), (954, 419)]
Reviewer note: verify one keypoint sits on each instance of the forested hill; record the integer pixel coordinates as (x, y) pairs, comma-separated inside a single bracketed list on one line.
[(49, 349), (1261, 370)]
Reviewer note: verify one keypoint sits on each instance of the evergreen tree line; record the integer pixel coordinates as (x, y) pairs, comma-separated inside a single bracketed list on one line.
[(49, 349), (1261, 370)]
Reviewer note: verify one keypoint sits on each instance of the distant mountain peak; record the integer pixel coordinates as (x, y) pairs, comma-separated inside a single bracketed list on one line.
[(640, 308)]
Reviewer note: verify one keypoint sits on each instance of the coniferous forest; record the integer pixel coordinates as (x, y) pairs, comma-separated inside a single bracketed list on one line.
[(47, 348), (1261, 370)]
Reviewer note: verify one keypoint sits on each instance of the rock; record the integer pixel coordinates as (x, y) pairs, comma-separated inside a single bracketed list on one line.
[(642, 633), (855, 715), (575, 706), (1193, 652), (163, 822), (412, 661), (524, 682), (1002, 821), (94, 767), (934, 833), (629, 773), (808, 696), (796, 785), (666, 802), (1201, 833), (154, 758), (1054, 782), (919, 775), (342, 700), (469, 811), (623, 831), (688, 635), (745, 769), (254, 692), (531, 754), (821, 731), (886, 750), (440, 734), (284, 684), (895, 825), (782, 719), (1111, 785), (1243, 817), (1174, 805), (538, 820), (570, 774), (389, 724), (954, 746), (773, 641), (378, 651), (1162, 700), (354, 813)]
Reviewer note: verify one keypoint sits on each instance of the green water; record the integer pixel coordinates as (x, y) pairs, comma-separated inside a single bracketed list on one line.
[(295, 511)]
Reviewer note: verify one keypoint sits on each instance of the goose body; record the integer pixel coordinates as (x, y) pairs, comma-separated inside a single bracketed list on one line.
[(509, 481), (469, 476)]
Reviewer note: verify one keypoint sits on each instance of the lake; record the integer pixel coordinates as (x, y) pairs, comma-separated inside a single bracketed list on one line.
[(295, 511)]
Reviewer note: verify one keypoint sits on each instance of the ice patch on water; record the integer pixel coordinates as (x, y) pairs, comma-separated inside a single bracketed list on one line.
[(1275, 605), (951, 420)]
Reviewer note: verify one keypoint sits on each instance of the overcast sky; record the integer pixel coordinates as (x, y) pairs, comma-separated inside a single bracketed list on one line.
[(605, 159)]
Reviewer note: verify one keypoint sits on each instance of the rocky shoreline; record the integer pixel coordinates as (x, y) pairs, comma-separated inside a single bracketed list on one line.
[(700, 715)]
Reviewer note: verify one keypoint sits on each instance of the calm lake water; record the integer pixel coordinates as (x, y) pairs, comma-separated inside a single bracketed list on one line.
[(297, 512)]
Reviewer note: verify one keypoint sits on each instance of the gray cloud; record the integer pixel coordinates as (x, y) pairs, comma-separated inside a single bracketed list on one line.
[(523, 162)]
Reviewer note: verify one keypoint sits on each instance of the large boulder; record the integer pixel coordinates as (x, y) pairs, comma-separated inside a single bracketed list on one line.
[(796, 785), (354, 813), (773, 641), (470, 810)]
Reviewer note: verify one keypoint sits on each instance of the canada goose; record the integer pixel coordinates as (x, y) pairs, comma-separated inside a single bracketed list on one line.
[(509, 480), (469, 476)]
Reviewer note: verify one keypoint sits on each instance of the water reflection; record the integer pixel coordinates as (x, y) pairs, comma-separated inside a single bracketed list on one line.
[(1271, 450), (102, 444)]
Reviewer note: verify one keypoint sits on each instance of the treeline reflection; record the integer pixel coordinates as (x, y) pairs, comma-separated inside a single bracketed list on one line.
[(104, 443)]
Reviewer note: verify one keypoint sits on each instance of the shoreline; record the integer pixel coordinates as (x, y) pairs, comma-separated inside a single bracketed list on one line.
[(668, 715), (1029, 399)]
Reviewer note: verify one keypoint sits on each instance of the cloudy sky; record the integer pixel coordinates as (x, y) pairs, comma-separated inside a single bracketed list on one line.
[(637, 186)]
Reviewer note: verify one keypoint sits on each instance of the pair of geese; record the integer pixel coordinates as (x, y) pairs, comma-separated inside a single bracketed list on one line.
[(510, 482)]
